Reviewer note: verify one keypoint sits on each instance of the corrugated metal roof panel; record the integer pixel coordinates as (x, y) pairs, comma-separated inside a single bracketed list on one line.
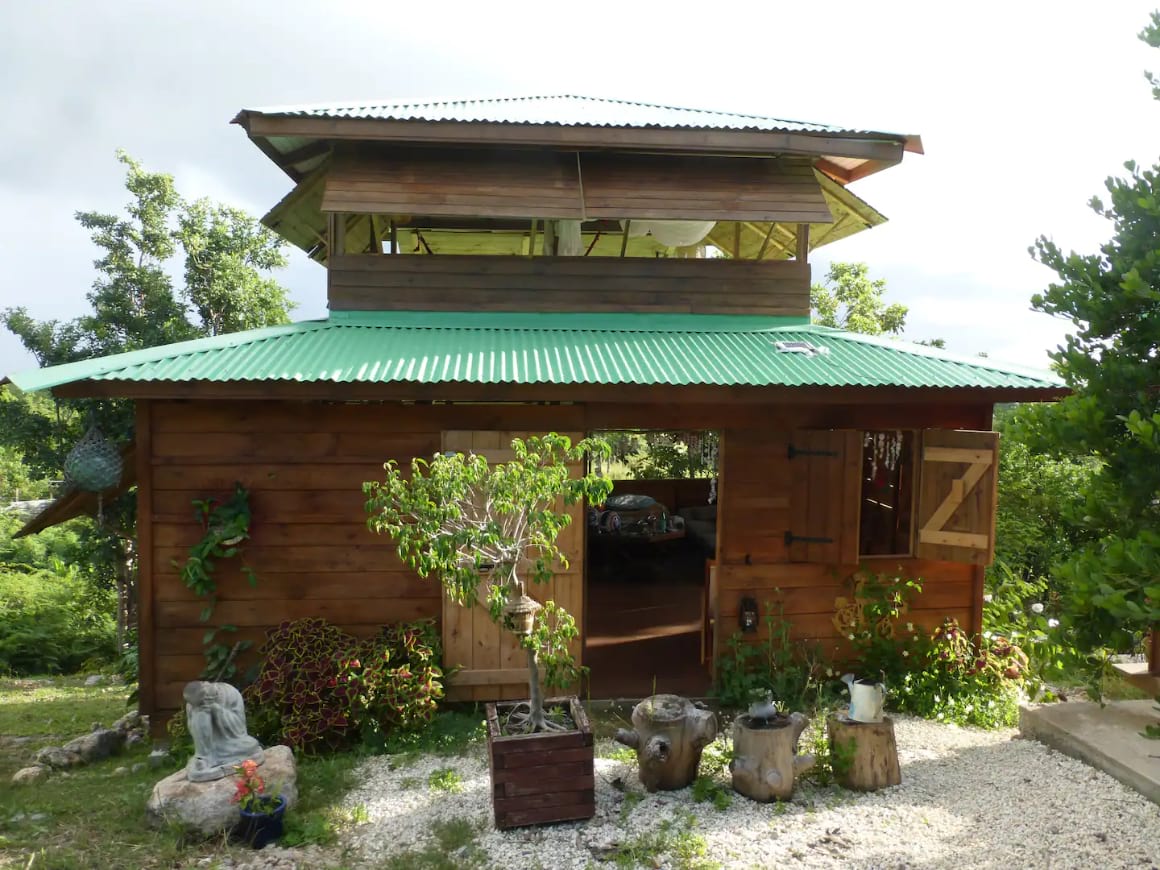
[(500, 348), (564, 110)]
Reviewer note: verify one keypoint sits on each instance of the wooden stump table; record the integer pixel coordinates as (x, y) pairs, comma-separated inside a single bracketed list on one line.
[(865, 753)]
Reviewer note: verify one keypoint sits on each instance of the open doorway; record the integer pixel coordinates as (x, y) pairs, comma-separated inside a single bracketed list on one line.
[(647, 558)]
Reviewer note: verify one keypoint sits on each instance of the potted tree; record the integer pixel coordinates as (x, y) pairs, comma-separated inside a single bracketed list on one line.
[(494, 528)]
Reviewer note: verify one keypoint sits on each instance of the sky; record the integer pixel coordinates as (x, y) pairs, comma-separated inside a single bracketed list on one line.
[(1024, 109)]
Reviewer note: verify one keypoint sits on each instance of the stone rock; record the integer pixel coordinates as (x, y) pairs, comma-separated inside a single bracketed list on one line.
[(133, 739), (138, 767), (29, 774), (128, 722), (97, 745), (94, 680), (205, 807), (159, 757), (120, 771), (58, 757)]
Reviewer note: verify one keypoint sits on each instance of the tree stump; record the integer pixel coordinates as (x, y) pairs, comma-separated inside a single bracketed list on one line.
[(669, 734), (865, 755), (764, 764)]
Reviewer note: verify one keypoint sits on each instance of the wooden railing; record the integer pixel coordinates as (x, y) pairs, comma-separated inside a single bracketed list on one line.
[(370, 282)]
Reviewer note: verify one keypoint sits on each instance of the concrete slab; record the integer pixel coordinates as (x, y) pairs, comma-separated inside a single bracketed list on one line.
[(1107, 738)]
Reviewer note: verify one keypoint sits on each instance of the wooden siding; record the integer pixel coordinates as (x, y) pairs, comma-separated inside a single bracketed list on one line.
[(370, 282), (451, 183), (702, 188), (313, 555), (304, 463)]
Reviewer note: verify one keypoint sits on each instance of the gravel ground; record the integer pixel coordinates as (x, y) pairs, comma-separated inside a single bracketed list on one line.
[(968, 799)]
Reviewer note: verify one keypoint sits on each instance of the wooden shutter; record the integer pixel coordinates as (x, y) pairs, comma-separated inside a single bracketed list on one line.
[(957, 496), (492, 664), (825, 469)]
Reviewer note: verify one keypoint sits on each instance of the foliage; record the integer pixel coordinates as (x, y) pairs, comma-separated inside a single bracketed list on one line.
[(136, 304), (250, 793), (320, 688), (946, 675), (963, 681), (775, 666), (707, 789), (224, 528), (1040, 518), (1112, 299), (450, 732), (850, 300), (445, 779), (832, 758), (471, 524), (52, 621)]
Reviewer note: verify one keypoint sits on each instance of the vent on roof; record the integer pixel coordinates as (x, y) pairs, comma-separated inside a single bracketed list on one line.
[(800, 347)]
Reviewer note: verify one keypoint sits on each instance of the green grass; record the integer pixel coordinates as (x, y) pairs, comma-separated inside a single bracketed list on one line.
[(445, 779), (453, 847), (452, 733), (94, 817)]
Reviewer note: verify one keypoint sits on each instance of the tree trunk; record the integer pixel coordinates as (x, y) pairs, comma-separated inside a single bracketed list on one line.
[(865, 755), (669, 736), (764, 764), (535, 693)]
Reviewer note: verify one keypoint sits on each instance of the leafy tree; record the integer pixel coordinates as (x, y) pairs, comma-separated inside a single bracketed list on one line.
[(471, 524), (1110, 360), (849, 299), (224, 256)]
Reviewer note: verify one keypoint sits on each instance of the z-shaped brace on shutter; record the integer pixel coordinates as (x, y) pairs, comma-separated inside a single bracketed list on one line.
[(932, 532)]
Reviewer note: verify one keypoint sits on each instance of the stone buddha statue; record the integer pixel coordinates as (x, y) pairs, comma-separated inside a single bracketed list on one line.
[(216, 717)]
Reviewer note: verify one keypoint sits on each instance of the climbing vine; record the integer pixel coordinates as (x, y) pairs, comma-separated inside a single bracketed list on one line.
[(225, 527)]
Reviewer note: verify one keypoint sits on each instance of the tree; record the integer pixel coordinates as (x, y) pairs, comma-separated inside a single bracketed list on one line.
[(471, 524), (849, 299), (1110, 361), (135, 304)]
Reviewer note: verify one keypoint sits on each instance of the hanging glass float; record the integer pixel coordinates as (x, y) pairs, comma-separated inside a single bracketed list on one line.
[(93, 465)]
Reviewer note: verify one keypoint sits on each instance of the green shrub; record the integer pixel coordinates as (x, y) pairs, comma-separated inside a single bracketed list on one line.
[(53, 622), (320, 688)]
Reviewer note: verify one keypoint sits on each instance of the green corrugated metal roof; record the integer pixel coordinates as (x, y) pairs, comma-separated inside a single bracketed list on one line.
[(500, 348), (566, 110)]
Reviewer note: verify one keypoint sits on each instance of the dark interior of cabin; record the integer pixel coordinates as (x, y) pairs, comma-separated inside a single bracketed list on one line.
[(649, 556)]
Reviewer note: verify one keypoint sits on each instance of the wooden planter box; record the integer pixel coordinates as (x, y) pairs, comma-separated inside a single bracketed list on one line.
[(539, 778)]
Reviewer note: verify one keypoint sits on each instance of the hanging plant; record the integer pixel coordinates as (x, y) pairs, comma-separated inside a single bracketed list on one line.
[(225, 527)]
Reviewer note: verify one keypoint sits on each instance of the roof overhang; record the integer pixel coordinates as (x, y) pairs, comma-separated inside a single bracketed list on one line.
[(75, 503), (297, 143)]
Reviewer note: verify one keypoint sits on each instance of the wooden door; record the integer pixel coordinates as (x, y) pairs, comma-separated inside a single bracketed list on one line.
[(492, 666)]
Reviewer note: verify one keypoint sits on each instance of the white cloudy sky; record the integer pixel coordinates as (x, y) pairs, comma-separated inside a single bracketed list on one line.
[(1024, 107)]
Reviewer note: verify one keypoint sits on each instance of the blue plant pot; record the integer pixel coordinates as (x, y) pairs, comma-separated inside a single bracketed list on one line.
[(261, 829)]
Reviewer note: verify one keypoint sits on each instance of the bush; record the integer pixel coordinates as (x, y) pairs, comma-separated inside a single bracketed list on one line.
[(321, 688), (52, 622)]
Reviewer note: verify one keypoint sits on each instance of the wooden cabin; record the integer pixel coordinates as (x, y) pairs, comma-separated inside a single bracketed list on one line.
[(502, 267)]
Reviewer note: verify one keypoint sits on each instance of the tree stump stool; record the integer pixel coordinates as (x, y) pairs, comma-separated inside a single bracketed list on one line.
[(668, 738), (865, 754), (764, 763)]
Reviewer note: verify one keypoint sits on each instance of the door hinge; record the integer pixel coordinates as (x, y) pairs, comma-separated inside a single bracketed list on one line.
[(791, 539)]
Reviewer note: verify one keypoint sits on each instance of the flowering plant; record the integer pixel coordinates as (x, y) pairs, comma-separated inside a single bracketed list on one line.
[(251, 794)]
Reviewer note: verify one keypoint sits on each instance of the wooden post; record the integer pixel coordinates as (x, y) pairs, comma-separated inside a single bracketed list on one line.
[(394, 237), (865, 753), (803, 243), (1154, 652), (624, 238)]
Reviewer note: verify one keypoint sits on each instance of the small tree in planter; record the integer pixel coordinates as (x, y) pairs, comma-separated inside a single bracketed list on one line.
[(471, 523)]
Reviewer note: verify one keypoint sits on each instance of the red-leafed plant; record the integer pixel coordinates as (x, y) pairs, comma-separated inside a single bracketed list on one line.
[(320, 688)]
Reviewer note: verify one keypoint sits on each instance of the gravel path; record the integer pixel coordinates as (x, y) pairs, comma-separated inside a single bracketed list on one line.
[(968, 799)]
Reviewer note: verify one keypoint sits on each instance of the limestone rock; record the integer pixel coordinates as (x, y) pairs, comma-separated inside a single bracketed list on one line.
[(96, 745), (128, 722), (58, 757), (29, 774), (205, 807), (94, 680)]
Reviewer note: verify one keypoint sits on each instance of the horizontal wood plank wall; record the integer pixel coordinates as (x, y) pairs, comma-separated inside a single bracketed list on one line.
[(702, 188), (455, 183), (304, 465), (754, 513), (370, 282)]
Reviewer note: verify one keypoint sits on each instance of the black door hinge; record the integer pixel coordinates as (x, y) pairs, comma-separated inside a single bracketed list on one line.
[(791, 539), (796, 451)]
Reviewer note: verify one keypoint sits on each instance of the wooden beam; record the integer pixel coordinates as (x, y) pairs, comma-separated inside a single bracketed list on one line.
[(305, 152), (737, 240), (802, 254), (394, 238), (624, 237), (532, 240), (765, 241), (146, 639)]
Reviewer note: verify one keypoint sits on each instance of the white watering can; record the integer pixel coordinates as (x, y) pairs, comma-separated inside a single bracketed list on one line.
[(865, 699)]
